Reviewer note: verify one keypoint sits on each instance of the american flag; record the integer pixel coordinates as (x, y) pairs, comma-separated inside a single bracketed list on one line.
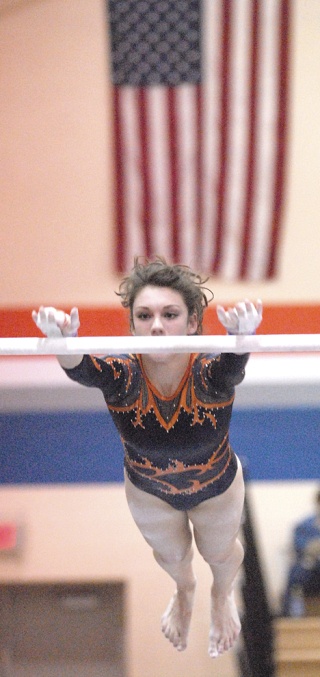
[(200, 90)]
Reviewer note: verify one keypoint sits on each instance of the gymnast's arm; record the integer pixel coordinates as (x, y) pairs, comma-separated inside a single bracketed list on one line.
[(243, 318), (56, 323)]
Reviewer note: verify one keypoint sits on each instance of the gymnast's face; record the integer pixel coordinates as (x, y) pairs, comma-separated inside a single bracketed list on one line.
[(161, 311)]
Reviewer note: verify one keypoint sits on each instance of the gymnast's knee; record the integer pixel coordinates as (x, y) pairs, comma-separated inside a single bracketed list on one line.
[(175, 554), (216, 557)]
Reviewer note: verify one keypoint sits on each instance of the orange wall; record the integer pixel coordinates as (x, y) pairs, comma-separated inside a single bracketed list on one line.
[(112, 321)]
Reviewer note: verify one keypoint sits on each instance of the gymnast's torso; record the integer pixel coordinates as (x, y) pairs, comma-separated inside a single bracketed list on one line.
[(176, 447)]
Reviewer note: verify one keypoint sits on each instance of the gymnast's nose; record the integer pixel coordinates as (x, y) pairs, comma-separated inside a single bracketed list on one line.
[(157, 326)]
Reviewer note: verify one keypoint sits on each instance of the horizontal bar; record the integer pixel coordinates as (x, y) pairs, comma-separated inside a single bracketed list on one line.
[(117, 345)]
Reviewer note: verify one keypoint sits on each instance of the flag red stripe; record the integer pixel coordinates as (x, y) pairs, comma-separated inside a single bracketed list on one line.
[(173, 122), (142, 106), (227, 8), (199, 213), (252, 139), (119, 158), (283, 85)]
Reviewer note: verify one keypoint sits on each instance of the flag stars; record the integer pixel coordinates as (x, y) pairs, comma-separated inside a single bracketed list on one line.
[(166, 35)]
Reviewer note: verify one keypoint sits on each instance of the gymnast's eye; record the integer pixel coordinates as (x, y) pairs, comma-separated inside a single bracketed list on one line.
[(143, 316), (170, 316)]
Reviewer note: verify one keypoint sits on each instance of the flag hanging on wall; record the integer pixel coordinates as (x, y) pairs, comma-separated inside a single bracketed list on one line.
[(200, 91)]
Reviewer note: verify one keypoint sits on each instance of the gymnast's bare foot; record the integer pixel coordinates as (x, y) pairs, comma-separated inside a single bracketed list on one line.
[(225, 625), (176, 619)]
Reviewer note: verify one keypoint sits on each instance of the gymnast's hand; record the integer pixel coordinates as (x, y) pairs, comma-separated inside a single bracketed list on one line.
[(56, 323), (244, 318)]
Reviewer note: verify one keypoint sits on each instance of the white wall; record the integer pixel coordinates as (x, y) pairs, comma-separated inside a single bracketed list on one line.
[(56, 224)]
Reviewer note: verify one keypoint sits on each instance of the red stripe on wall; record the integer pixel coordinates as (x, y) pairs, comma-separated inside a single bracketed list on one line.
[(113, 321)]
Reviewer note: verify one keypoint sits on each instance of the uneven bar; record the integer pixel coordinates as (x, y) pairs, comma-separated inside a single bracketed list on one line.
[(117, 345)]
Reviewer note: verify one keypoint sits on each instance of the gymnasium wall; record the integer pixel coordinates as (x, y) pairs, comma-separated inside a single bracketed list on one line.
[(56, 220), (57, 247)]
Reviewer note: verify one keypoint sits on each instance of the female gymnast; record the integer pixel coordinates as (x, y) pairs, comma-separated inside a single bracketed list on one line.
[(173, 414)]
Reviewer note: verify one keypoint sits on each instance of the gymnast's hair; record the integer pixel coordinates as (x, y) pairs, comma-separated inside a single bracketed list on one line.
[(159, 273)]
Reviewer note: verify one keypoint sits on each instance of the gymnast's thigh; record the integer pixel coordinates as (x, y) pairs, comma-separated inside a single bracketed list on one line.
[(216, 521), (165, 529)]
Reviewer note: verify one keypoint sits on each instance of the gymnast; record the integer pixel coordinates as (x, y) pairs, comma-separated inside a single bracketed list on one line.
[(173, 415)]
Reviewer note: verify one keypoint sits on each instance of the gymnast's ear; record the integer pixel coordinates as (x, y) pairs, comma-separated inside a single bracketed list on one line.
[(192, 324)]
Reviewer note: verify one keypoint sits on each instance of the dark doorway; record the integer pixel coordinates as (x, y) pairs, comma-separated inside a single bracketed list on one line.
[(62, 629)]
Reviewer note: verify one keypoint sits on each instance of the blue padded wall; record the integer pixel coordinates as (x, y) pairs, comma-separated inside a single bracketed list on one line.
[(81, 447)]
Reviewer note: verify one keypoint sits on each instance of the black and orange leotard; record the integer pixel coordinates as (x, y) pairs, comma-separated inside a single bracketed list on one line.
[(176, 447)]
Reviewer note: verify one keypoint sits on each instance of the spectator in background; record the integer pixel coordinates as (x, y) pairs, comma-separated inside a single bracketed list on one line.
[(304, 574)]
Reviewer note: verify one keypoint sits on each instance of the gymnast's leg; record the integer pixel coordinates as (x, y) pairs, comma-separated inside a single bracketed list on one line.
[(168, 533), (216, 524)]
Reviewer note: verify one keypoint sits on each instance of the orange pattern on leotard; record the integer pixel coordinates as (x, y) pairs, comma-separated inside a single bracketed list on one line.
[(158, 474), (149, 400)]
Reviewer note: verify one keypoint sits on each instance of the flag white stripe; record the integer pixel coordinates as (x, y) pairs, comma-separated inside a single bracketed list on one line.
[(238, 146), (132, 186), (159, 172), (266, 141), (211, 30), (187, 166)]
